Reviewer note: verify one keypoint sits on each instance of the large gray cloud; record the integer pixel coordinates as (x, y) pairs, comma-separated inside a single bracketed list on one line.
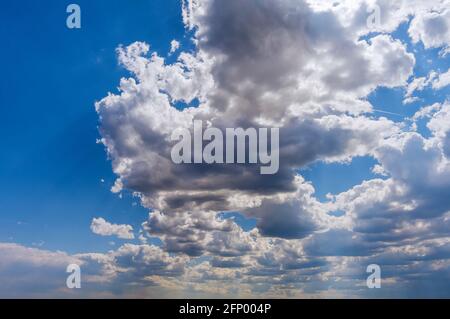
[(238, 87), (301, 66)]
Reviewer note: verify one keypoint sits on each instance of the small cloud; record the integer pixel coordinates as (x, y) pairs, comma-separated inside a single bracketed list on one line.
[(117, 187), (101, 227), (174, 46), (379, 170), (142, 239)]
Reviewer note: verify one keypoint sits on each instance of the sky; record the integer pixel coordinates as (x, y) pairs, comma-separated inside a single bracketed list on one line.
[(49, 126), (86, 174)]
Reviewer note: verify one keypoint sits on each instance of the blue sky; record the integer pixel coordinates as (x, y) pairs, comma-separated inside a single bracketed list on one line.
[(56, 177), (51, 164)]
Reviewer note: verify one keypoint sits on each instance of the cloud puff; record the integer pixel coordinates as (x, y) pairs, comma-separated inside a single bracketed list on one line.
[(432, 27), (434, 80), (442, 80), (174, 46), (101, 227)]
